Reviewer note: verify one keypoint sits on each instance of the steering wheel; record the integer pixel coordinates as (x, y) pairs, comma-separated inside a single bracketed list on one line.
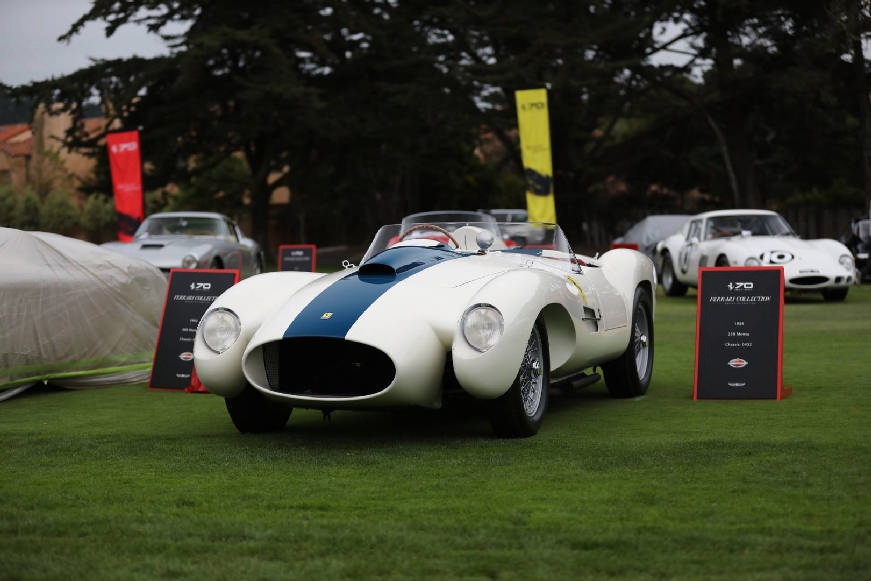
[(429, 227)]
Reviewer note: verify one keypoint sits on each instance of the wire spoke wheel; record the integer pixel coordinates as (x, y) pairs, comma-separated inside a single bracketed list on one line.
[(629, 375), (641, 340), (531, 384), (518, 412)]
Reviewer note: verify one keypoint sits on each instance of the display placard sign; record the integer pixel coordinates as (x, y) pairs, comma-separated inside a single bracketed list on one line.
[(298, 257), (739, 333), (188, 295)]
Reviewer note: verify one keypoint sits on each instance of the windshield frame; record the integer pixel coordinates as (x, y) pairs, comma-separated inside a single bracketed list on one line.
[(551, 242)]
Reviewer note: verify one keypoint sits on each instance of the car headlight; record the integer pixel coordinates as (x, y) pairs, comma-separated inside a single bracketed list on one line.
[(846, 261), (752, 261), (189, 261), (219, 329), (482, 326)]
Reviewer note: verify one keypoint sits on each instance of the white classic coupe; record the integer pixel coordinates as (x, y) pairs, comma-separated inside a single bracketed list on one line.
[(432, 311), (754, 238)]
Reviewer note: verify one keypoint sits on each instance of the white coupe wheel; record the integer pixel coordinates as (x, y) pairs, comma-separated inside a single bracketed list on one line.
[(518, 413), (629, 375), (252, 412), (670, 285)]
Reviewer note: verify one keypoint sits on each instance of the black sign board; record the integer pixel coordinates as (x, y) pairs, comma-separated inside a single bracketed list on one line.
[(298, 257), (188, 295), (739, 333)]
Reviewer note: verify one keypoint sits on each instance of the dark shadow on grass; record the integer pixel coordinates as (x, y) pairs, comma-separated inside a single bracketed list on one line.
[(458, 419)]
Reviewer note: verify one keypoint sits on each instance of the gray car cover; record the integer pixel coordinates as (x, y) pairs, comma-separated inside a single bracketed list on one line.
[(74, 314)]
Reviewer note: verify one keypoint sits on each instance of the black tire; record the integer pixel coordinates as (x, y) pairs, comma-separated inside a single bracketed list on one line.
[(835, 295), (629, 375), (518, 412), (253, 413), (670, 284), (721, 261), (216, 264)]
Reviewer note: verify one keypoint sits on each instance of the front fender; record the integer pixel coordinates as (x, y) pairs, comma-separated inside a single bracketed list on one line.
[(489, 375), (253, 300)]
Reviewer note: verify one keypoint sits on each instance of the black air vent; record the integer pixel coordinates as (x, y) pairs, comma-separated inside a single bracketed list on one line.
[(809, 280), (377, 269), (326, 367)]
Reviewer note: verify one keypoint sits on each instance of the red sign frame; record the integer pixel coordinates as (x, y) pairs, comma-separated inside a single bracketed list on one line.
[(710, 338), (194, 385)]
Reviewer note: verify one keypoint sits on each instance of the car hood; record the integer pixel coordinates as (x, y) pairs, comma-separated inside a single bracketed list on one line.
[(798, 248), (413, 283), (162, 251), (789, 251)]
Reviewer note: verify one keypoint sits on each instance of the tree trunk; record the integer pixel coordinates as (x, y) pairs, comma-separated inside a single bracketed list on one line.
[(731, 119)]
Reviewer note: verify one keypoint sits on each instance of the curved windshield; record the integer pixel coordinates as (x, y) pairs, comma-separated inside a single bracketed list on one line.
[(450, 219), (747, 225), (182, 226), (548, 240)]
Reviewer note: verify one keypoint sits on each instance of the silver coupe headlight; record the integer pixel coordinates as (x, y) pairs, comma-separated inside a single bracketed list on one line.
[(482, 326), (189, 261), (219, 329), (752, 261), (846, 261)]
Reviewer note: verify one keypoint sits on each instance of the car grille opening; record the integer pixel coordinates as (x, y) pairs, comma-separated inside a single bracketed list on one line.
[(809, 280), (326, 367)]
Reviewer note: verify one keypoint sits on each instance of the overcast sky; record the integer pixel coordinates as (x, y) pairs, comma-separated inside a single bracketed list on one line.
[(30, 51)]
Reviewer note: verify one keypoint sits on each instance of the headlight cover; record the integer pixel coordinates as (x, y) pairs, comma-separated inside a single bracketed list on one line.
[(189, 261), (219, 329), (846, 261), (752, 261), (482, 326)]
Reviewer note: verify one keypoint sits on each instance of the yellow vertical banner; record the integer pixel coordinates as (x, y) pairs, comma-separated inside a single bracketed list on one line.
[(534, 126)]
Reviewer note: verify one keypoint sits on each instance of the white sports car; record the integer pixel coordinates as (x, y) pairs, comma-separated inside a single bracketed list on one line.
[(754, 238), (433, 311)]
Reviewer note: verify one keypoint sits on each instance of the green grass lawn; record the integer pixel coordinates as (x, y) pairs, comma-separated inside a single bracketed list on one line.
[(130, 483)]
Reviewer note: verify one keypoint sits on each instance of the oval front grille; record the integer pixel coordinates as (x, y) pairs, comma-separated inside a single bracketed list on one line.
[(810, 280), (326, 367)]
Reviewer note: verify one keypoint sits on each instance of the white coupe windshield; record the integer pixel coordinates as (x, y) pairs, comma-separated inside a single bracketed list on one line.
[(467, 237), (747, 225)]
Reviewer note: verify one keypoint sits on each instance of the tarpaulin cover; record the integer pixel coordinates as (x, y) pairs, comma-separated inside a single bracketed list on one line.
[(651, 230), (74, 314)]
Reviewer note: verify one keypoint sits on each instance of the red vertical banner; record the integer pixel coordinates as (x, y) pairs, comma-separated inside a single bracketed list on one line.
[(126, 169)]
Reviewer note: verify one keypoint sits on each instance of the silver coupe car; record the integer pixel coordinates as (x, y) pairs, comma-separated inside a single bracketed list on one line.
[(193, 240)]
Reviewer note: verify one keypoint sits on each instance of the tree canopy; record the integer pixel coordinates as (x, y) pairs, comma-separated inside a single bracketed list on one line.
[(371, 109)]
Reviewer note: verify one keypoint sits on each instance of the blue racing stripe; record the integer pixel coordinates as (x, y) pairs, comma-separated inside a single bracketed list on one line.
[(337, 308)]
